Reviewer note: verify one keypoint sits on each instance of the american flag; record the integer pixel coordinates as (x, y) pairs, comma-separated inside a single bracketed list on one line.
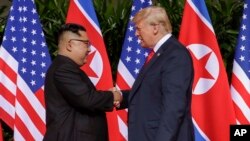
[(132, 59), (240, 87), (24, 60), (212, 106)]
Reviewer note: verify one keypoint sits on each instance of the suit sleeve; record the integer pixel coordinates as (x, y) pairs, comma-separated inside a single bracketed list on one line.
[(76, 90), (124, 103), (177, 76)]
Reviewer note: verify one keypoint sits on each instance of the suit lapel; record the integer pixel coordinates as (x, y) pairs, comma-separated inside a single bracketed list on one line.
[(147, 67)]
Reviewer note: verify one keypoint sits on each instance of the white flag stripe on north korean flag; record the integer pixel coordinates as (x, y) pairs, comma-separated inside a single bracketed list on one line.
[(212, 106)]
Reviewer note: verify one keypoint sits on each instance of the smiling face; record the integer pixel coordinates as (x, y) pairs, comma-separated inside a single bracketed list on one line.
[(74, 46), (146, 33)]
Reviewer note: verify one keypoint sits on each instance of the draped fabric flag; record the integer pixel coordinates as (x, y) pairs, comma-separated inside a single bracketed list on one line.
[(240, 87), (24, 60), (212, 106), (132, 59), (97, 68)]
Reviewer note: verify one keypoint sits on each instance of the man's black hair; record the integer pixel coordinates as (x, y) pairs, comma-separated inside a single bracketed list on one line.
[(72, 27)]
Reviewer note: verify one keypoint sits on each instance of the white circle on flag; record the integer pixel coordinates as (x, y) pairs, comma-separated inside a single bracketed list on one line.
[(96, 65), (211, 65)]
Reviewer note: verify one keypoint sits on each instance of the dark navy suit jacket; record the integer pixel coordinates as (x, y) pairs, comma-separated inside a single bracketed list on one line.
[(159, 103)]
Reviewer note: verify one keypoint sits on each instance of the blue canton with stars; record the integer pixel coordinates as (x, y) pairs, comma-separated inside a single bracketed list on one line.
[(133, 55), (242, 52), (24, 40)]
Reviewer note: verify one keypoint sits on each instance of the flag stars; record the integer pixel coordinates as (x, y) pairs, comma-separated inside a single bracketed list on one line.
[(33, 52), (12, 18), (136, 70), (24, 39), (24, 29), (33, 42), (33, 32), (242, 58), (13, 39), (33, 82), (4, 38), (43, 54), (24, 50), (43, 75), (243, 27), (138, 41), (138, 51), (43, 44), (14, 49), (244, 16), (128, 59), (242, 48), (43, 65), (133, 8), (24, 19), (146, 54), (142, 1), (20, 20), (33, 21), (33, 63), (33, 11), (129, 49), (137, 61), (130, 28), (33, 72), (131, 18), (130, 39), (243, 38), (24, 9), (150, 2), (20, 9), (24, 60), (23, 70), (13, 29), (245, 6)]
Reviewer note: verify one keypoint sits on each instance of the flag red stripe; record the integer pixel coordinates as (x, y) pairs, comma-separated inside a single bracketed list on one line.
[(22, 128), (7, 118), (123, 114), (237, 84), (40, 96), (239, 115), (122, 84), (6, 94), (37, 121), (8, 71)]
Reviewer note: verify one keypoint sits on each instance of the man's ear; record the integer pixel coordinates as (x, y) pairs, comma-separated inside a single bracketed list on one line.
[(68, 47)]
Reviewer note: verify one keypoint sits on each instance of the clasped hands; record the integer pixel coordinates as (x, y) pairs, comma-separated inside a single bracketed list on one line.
[(117, 96)]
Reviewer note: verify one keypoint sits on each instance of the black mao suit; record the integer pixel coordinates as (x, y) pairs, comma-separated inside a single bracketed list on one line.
[(75, 111), (160, 99)]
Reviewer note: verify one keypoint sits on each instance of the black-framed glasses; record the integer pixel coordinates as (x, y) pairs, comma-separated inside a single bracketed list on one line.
[(86, 42)]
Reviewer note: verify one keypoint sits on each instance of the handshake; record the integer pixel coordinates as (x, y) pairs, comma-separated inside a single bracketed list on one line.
[(117, 96)]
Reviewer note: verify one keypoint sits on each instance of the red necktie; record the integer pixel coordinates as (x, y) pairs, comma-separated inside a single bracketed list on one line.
[(151, 54)]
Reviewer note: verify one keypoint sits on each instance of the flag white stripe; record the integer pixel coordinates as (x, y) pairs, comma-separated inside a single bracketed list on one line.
[(239, 101), (22, 114), (203, 19), (241, 75), (7, 83), (8, 59), (123, 128), (126, 75), (88, 17), (7, 107), (38, 107), (17, 135)]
